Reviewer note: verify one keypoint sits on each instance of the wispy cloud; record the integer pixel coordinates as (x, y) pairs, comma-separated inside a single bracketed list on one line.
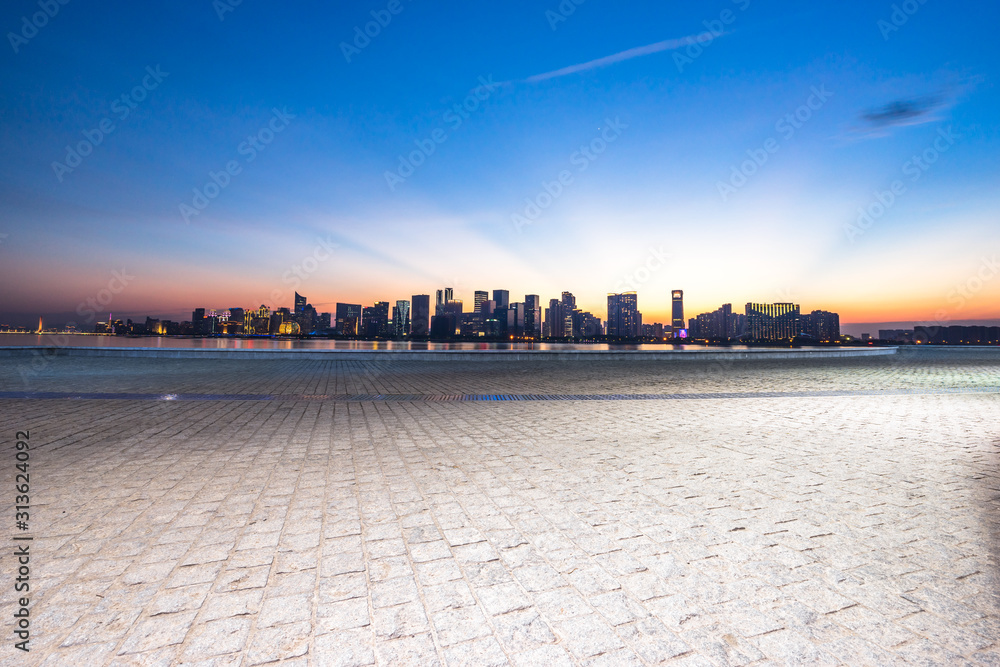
[(665, 45)]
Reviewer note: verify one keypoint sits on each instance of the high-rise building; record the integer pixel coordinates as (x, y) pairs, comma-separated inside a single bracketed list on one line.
[(375, 320), (401, 319), (532, 316), (300, 303), (822, 325), (443, 297), (198, 323), (453, 309), (420, 316), (568, 303), (624, 319), (257, 322), (348, 319), (555, 323), (677, 310), (481, 297), (590, 326), (515, 320), (382, 329), (773, 321), (502, 297), (721, 324)]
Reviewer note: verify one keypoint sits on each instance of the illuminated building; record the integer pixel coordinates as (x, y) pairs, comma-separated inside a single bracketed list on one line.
[(348, 319), (481, 297), (773, 321), (624, 319), (677, 310), (822, 325), (375, 320), (568, 305), (401, 319), (532, 316), (257, 322)]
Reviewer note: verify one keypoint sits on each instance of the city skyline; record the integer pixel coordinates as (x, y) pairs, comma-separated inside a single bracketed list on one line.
[(722, 146), (93, 309), (492, 319)]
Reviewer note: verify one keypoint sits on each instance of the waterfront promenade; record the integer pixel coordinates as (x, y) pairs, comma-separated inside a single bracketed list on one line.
[(354, 512)]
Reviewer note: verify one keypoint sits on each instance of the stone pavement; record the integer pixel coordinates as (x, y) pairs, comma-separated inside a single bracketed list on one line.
[(853, 529)]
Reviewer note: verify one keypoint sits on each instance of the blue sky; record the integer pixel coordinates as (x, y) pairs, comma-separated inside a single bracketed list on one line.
[(651, 210)]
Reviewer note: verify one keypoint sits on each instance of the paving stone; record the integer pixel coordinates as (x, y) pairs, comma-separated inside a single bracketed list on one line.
[(587, 636), (520, 630), (348, 648), (479, 653), (754, 524), (215, 638), (459, 625), (158, 631), (279, 642)]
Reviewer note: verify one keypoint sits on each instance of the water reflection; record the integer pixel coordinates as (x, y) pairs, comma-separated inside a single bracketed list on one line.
[(84, 340)]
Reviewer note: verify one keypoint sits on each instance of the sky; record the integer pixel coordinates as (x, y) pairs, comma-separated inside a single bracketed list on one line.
[(157, 157)]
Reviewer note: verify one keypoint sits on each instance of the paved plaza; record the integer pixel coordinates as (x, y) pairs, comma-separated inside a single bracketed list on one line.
[(842, 511)]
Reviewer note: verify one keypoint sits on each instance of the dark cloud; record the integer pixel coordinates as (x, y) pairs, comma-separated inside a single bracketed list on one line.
[(903, 112)]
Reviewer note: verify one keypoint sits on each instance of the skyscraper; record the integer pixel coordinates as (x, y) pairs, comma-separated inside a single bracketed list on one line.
[(348, 319), (568, 304), (420, 318), (502, 297), (677, 310), (515, 319), (481, 297), (401, 319), (375, 320), (532, 316), (623, 315), (300, 303), (554, 320)]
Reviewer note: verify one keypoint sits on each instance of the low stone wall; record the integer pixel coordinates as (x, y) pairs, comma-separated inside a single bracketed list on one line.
[(768, 354)]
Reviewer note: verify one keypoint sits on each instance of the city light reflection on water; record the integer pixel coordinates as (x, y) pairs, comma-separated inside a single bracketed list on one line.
[(87, 340)]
